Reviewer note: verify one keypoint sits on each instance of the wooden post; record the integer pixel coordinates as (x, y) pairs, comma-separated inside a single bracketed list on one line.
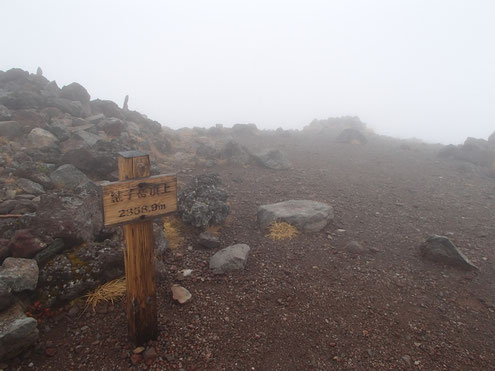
[(139, 257)]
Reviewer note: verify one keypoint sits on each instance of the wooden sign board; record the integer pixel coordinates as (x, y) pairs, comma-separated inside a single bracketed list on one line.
[(139, 200)]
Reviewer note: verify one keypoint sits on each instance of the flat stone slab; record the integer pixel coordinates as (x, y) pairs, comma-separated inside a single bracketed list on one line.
[(19, 274), (230, 259), (17, 332), (310, 216), (443, 250)]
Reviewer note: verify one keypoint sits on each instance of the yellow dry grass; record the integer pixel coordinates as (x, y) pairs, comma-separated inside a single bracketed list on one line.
[(109, 292), (282, 231), (173, 228)]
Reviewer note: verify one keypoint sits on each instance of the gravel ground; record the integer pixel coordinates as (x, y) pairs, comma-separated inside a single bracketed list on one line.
[(309, 303)]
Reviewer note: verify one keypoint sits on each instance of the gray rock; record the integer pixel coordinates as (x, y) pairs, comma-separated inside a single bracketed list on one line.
[(209, 240), (89, 138), (59, 129), (112, 126), (107, 108), (161, 242), (42, 138), (17, 332), (441, 249), (75, 92), (273, 159), (230, 259), (310, 216), (22, 99), (10, 129), (203, 202), (74, 218), (68, 177), (6, 297), (91, 162), (476, 151), (234, 153), (31, 187), (19, 274), (73, 108), (5, 114), (95, 118)]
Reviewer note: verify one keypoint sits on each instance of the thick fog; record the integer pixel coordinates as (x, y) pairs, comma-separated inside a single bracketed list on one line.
[(422, 69)]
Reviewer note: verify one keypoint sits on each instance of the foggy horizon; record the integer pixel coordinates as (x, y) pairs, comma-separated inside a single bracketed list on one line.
[(410, 69)]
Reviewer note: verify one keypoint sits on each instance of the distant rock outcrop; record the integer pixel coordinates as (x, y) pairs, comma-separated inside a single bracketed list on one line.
[(441, 249)]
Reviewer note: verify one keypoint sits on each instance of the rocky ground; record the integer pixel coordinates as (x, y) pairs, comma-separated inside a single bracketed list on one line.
[(356, 294)]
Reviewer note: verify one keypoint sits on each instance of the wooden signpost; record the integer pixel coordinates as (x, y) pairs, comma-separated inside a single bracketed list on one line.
[(132, 202)]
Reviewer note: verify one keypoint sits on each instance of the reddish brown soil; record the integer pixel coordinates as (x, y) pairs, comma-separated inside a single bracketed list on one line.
[(308, 304)]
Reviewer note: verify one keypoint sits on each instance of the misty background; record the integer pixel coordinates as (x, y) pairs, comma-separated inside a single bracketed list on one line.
[(421, 69)]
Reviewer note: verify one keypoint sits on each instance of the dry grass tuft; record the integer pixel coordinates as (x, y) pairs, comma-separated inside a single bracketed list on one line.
[(173, 228), (109, 292), (282, 231)]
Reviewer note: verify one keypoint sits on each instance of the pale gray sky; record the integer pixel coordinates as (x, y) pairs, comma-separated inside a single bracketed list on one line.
[(408, 68)]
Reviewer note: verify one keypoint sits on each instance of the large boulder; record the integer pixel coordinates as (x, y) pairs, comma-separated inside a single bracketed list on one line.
[(17, 332), (95, 163), (273, 159), (230, 259), (235, 154), (476, 151), (42, 138), (19, 274), (22, 99), (73, 108), (203, 202), (441, 249), (75, 92), (113, 127), (309, 216), (74, 218), (68, 177)]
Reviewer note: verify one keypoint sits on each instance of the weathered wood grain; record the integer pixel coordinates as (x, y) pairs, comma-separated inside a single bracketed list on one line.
[(139, 263)]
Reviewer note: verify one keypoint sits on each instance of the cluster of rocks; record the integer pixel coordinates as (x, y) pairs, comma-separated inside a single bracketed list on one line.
[(346, 129), (478, 152), (18, 277), (55, 145)]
